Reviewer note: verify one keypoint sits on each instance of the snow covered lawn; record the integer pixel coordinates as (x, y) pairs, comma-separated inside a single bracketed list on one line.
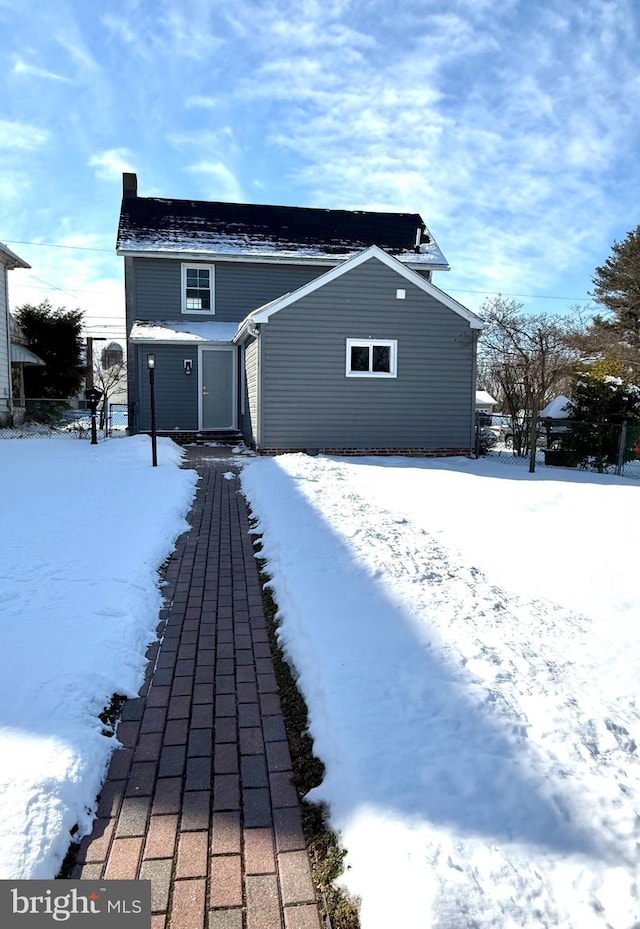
[(84, 529), (468, 640)]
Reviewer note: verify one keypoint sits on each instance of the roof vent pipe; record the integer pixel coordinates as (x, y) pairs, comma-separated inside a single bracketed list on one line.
[(416, 247)]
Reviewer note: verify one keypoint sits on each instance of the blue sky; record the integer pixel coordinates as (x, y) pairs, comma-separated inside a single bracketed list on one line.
[(510, 125)]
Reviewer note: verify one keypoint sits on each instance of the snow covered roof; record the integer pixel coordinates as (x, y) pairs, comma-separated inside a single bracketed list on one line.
[(483, 396), (259, 231), (558, 408), (161, 331)]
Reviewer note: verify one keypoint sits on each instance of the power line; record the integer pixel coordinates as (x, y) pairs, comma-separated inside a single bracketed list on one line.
[(104, 293), (77, 248), (108, 251), (449, 290), (503, 293), (89, 325)]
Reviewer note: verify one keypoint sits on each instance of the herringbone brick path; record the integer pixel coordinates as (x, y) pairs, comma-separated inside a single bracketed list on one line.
[(200, 797)]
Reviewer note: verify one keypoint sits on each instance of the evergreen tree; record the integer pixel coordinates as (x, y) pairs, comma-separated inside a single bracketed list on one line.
[(601, 403), (616, 335), (55, 336)]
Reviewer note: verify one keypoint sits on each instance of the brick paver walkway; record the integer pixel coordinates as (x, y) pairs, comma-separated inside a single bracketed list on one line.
[(200, 798)]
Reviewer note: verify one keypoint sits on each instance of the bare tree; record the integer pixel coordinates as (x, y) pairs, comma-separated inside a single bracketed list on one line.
[(527, 360), (110, 376)]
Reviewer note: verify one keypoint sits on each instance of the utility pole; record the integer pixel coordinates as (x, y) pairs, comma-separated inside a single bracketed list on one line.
[(88, 377)]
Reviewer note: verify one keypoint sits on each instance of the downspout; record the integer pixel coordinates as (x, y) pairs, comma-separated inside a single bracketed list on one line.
[(259, 389), (8, 325), (476, 337)]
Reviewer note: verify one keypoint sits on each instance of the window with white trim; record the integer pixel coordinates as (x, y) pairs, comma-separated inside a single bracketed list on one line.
[(372, 357), (197, 288)]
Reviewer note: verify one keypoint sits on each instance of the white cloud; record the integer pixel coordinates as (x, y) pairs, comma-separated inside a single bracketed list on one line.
[(511, 127), (206, 102), (120, 27), (498, 124), (188, 35), (71, 40), (14, 189), (220, 182), (21, 136), (110, 165), (91, 282), (22, 67), (202, 139)]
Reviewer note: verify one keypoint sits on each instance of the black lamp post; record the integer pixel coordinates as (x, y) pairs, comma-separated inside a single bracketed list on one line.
[(151, 364), (93, 395)]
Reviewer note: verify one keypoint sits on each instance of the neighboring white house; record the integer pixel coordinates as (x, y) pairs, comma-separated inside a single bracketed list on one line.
[(484, 402), (20, 357), (8, 261)]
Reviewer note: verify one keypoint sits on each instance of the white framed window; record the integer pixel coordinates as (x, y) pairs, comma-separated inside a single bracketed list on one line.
[(198, 288), (372, 357)]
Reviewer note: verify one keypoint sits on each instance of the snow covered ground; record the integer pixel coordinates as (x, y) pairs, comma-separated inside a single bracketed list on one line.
[(84, 529), (468, 640)]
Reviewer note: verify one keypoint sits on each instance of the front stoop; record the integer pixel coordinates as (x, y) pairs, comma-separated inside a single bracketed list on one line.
[(230, 437), (200, 798)]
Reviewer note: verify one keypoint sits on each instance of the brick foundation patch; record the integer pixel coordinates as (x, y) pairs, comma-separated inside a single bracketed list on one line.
[(382, 452)]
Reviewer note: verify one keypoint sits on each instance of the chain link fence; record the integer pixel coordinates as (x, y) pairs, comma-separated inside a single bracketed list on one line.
[(65, 419), (607, 448)]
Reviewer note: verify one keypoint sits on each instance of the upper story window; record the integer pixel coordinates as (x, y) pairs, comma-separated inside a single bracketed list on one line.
[(197, 289), (372, 357)]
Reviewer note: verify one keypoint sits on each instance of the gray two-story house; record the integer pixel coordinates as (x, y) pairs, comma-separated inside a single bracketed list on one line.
[(298, 328)]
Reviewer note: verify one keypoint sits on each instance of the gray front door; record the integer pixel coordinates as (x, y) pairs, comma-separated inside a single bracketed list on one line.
[(217, 388)]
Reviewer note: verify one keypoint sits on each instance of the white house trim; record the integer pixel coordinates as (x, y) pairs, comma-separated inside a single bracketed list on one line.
[(391, 344), (198, 266), (10, 259), (258, 258), (262, 314)]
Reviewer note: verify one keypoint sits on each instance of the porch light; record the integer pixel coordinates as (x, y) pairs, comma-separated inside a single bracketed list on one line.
[(151, 361)]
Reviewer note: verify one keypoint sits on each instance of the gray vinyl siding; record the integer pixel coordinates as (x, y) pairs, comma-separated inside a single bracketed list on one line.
[(240, 287), (5, 365), (308, 401), (249, 422), (133, 388), (176, 393)]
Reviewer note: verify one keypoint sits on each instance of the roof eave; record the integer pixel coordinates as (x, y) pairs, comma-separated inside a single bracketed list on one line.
[(225, 256), (424, 265), (10, 260), (325, 260)]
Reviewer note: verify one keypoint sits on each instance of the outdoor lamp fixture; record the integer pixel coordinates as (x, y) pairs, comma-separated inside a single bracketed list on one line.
[(93, 396), (151, 365)]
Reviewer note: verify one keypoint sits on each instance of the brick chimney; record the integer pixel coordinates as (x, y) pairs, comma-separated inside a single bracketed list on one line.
[(129, 186)]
